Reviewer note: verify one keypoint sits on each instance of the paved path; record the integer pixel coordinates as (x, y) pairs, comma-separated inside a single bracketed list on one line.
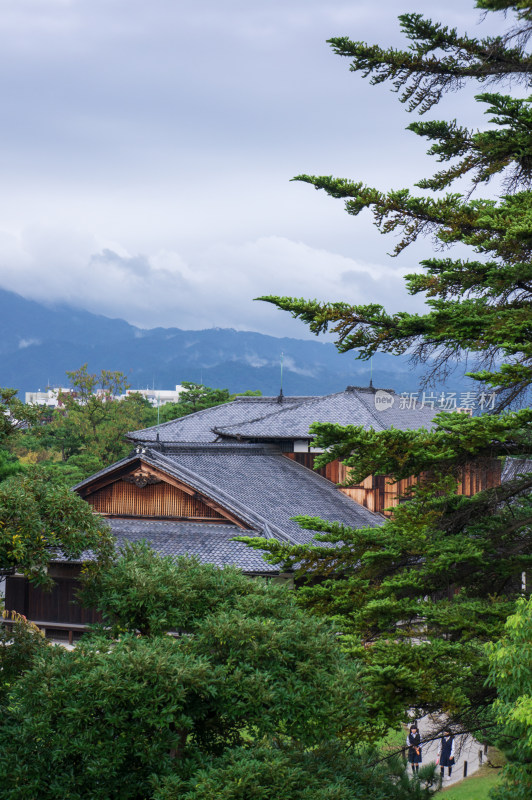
[(466, 748)]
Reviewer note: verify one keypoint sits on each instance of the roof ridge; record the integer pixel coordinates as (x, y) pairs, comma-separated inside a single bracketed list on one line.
[(372, 411), (172, 421), (258, 448), (238, 507), (279, 411), (244, 400), (349, 391), (130, 457), (171, 521)]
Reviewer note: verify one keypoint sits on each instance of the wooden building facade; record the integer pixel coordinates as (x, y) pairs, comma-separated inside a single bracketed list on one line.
[(379, 493), (194, 483), (56, 611)]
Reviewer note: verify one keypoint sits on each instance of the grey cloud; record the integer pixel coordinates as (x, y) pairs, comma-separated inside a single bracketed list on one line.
[(353, 277), (255, 361), (214, 287), (292, 366), (147, 150), (138, 265)]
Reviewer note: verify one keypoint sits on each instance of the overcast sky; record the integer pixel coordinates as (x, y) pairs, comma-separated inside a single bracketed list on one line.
[(147, 149)]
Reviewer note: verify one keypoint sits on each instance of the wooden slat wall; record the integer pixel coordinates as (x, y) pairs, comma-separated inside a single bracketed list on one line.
[(154, 500), (477, 477), (377, 493), (16, 595), (56, 605)]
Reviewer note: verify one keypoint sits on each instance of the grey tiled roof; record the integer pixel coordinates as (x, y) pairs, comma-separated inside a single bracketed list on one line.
[(257, 484), (267, 486), (513, 467), (398, 415), (210, 543), (354, 406), (199, 427)]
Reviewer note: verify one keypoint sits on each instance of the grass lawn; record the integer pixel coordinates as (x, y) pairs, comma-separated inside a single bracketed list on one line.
[(394, 740), (393, 743), (474, 788)]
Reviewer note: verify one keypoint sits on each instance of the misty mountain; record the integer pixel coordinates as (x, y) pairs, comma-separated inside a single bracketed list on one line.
[(38, 343)]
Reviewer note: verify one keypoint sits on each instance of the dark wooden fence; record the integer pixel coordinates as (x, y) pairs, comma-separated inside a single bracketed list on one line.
[(55, 611)]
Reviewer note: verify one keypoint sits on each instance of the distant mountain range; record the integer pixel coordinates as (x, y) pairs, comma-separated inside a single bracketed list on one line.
[(39, 343)]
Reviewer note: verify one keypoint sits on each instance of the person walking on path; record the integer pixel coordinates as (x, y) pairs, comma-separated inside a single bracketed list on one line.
[(413, 741), (446, 753)]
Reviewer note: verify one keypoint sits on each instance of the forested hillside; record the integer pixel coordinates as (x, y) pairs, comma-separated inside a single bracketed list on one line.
[(38, 344)]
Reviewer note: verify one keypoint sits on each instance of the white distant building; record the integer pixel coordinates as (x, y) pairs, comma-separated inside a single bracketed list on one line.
[(48, 398), (158, 397)]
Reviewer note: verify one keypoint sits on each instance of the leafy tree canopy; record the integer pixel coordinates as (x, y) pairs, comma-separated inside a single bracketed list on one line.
[(20, 643), (511, 674), (324, 773), (253, 700), (14, 414), (88, 427), (40, 517), (9, 465)]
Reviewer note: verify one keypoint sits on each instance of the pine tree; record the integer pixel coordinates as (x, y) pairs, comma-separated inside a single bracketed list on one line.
[(419, 597)]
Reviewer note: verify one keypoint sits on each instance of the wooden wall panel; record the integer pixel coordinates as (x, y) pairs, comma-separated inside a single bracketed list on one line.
[(361, 496), (154, 500), (16, 595), (56, 605), (59, 604), (378, 493)]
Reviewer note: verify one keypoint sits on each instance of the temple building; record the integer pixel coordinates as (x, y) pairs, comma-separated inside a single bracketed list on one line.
[(189, 486)]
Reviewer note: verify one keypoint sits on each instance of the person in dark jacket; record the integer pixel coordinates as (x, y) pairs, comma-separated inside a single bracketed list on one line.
[(446, 753), (413, 741)]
